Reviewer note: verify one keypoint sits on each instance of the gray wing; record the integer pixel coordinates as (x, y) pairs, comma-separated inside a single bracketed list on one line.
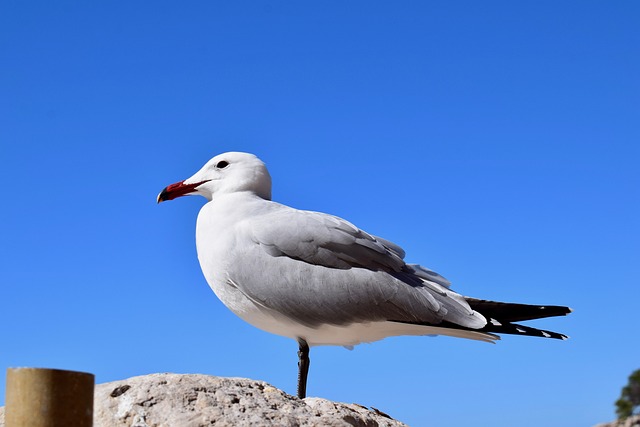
[(325, 240), (317, 268)]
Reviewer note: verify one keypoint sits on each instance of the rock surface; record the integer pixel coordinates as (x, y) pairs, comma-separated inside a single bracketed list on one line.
[(633, 421), (168, 400)]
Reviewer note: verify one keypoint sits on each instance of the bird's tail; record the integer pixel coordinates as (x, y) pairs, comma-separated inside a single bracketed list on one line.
[(500, 316)]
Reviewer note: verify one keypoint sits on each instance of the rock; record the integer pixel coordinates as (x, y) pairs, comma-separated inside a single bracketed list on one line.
[(168, 400), (633, 421)]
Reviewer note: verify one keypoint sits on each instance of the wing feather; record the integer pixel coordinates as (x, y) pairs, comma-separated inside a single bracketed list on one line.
[(324, 240), (328, 271)]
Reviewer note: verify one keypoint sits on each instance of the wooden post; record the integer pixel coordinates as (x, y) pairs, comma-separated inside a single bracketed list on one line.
[(48, 398)]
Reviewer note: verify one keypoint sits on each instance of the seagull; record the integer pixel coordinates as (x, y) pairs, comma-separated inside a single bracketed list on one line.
[(321, 280)]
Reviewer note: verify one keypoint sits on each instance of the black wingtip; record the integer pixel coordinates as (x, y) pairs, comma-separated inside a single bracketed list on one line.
[(513, 312), (497, 327)]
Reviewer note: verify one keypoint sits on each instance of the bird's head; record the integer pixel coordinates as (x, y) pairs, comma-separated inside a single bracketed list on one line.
[(226, 173)]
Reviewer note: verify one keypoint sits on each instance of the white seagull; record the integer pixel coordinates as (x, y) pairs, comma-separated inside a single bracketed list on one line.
[(318, 278)]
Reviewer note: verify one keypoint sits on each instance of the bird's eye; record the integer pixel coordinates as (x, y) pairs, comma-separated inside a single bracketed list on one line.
[(222, 164)]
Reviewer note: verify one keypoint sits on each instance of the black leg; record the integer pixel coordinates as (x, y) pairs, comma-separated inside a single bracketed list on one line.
[(303, 367)]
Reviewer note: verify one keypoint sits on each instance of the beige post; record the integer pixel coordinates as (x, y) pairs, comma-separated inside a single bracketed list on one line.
[(48, 398)]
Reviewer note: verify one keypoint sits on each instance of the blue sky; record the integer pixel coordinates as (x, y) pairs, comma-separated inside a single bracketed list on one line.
[(497, 142)]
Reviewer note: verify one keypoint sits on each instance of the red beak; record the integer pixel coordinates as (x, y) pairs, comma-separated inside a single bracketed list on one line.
[(178, 189)]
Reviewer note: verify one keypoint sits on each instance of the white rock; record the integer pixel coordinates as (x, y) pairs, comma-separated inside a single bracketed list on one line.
[(172, 400)]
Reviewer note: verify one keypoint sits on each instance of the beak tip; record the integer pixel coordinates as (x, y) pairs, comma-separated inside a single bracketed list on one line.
[(162, 196)]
